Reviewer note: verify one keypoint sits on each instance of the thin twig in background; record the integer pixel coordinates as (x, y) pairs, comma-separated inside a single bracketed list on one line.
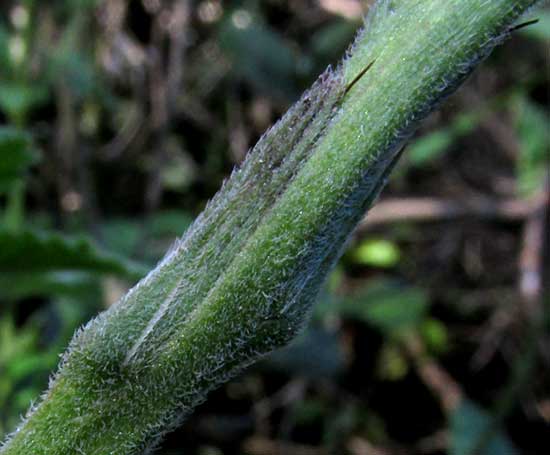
[(535, 242), (264, 446), (431, 209)]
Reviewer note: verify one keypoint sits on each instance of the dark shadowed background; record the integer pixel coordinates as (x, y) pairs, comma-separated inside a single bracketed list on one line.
[(118, 121)]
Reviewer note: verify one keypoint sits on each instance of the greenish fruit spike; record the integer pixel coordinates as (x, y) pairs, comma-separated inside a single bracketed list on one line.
[(243, 279)]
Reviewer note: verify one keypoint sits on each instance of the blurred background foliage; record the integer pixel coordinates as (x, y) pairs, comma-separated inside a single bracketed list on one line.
[(120, 119)]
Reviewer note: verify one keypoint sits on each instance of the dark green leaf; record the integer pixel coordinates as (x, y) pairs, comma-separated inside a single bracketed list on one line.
[(388, 307), (22, 285), (258, 53), (169, 223), (5, 60), (315, 354), (31, 252), (333, 39), (121, 236), (16, 155), (469, 424)]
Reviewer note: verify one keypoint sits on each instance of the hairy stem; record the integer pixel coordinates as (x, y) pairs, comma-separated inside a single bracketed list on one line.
[(243, 279)]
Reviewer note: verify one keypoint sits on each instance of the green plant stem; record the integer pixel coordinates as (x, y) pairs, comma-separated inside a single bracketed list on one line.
[(15, 207), (243, 279)]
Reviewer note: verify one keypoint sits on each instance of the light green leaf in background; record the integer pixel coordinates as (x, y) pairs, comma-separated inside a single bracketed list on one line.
[(376, 253), (17, 99), (533, 130), (431, 146)]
